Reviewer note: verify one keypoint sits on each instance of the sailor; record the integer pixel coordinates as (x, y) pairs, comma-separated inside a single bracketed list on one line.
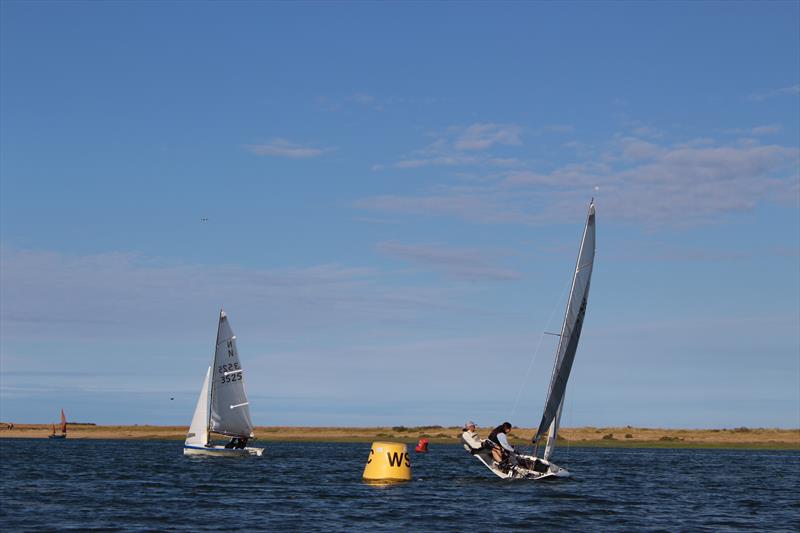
[(502, 449), (232, 443), (472, 442)]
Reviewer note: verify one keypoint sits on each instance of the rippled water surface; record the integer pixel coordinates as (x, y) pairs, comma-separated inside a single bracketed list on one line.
[(149, 485)]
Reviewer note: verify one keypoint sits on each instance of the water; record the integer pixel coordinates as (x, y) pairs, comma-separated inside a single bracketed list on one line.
[(149, 485)]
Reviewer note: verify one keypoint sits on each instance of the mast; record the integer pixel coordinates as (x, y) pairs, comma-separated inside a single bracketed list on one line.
[(213, 381), (570, 334)]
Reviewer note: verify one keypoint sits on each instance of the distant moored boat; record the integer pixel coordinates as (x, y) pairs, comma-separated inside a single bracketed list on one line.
[(63, 434)]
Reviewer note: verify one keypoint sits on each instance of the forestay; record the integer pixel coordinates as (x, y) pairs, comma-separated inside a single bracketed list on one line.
[(230, 413), (570, 331)]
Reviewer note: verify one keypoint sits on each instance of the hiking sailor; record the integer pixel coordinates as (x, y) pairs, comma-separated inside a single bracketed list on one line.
[(503, 453), (472, 442)]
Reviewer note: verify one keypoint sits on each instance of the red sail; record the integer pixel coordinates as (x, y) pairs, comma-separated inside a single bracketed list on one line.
[(63, 423)]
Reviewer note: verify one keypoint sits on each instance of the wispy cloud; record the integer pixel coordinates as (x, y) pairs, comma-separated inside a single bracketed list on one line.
[(648, 132), (439, 161), (463, 146), (758, 131), (159, 319), (366, 100), (650, 183), (283, 148), (462, 263), (472, 145), (481, 136), (54, 295), (760, 96), (767, 130)]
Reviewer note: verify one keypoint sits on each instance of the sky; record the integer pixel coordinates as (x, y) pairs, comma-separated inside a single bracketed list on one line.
[(387, 199)]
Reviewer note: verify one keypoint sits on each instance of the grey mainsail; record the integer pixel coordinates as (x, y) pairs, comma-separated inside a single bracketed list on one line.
[(570, 334), (230, 413)]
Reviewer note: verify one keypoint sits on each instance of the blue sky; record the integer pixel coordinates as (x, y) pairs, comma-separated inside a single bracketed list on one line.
[(395, 193)]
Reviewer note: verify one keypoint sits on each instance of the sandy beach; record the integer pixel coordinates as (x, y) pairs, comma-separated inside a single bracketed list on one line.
[(755, 438)]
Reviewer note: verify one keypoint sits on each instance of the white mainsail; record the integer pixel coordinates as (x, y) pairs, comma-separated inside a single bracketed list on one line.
[(570, 334), (230, 413), (198, 431)]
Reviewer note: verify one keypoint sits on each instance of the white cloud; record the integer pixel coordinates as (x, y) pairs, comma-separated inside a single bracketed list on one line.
[(481, 136), (651, 184), (465, 146), (758, 131), (637, 150), (442, 161), (766, 95), (766, 130), (283, 148), (648, 131), (366, 100), (363, 98)]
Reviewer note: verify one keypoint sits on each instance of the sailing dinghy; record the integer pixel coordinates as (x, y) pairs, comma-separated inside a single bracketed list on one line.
[(222, 406), (532, 466), (63, 434)]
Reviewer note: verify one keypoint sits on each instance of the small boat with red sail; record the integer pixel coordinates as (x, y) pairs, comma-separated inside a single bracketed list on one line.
[(63, 434)]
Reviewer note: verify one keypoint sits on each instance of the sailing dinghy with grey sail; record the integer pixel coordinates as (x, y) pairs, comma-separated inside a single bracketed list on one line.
[(222, 407), (533, 466)]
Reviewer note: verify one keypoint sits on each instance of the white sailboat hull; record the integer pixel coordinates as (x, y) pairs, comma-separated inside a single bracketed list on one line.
[(222, 451), (538, 468)]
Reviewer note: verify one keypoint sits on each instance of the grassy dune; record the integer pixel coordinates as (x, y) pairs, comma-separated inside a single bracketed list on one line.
[(748, 438)]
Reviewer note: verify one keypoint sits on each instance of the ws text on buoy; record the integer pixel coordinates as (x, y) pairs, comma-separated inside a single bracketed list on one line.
[(388, 461)]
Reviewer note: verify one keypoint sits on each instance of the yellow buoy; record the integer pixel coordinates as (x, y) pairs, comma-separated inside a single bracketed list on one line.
[(388, 461)]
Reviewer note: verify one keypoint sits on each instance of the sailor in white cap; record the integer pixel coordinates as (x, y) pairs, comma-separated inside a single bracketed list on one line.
[(472, 442)]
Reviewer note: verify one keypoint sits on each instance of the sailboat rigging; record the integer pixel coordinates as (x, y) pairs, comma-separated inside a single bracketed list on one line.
[(222, 406), (533, 466)]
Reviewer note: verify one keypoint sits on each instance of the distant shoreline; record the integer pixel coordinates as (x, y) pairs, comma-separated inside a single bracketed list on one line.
[(610, 437)]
